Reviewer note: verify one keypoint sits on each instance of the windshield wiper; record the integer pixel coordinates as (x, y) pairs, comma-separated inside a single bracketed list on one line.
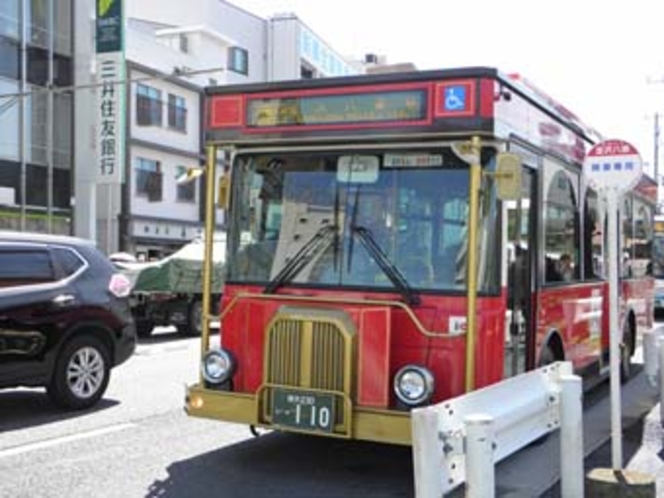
[(317, 243), (388, 268), (353, 222)]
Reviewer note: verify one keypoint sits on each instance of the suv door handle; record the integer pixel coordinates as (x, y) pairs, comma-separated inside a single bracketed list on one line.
[(63, 300)]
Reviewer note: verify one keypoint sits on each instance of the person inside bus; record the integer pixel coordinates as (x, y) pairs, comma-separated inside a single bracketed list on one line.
[(517, 278), (566, 267)]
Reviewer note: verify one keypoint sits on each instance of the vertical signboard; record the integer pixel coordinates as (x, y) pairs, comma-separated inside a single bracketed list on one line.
[(110, 94)]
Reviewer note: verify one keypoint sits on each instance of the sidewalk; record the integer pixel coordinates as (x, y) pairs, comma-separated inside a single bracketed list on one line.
[(642, 434), (535, 470)]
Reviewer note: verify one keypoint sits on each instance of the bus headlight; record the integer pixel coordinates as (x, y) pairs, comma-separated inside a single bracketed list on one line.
[(413, 385), (217, 366)]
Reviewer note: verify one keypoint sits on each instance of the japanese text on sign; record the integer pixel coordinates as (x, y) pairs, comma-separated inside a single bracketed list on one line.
[(109, 120)]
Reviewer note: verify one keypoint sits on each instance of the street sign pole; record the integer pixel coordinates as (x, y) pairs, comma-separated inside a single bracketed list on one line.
[(612, 197), (613, 167)]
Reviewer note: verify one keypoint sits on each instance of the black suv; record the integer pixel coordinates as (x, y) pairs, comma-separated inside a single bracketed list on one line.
[(64, 317)]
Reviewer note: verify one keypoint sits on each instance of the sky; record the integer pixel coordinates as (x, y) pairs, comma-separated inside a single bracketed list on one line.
[(603, 60)]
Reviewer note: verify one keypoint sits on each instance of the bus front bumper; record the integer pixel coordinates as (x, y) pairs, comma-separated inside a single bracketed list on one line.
[(382, 426)]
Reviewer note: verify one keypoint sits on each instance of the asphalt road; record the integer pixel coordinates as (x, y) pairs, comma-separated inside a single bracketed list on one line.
[(139, 443)]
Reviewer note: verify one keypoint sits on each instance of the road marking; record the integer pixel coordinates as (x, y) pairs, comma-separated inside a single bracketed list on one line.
[(17, 450)]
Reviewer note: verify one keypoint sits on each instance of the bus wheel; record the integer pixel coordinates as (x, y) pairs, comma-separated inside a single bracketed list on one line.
[(626, 353)]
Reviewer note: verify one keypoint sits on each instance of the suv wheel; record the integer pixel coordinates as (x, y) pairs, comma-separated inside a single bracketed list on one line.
[(81, 374)]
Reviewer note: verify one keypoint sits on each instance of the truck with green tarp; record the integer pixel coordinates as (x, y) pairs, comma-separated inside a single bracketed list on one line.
[(169, 292)]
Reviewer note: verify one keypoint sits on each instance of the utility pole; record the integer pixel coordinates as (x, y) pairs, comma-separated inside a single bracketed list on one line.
[(656, 158)]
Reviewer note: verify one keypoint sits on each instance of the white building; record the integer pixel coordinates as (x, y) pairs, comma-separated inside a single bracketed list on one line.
[(172, 52)]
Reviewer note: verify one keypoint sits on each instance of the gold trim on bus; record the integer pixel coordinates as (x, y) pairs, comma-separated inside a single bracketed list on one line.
[(348, 141), (340, 300), (381, 426)]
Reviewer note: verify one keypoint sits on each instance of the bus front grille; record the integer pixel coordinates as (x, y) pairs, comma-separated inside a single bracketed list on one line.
[(310, 350), (306, 354)]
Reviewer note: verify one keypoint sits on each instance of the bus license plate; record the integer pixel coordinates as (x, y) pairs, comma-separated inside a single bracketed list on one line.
[(303, 410)]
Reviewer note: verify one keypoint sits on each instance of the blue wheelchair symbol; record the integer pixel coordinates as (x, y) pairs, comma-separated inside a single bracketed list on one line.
[(455, 98)]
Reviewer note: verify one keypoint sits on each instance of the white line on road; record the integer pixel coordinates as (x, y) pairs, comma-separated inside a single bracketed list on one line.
[(17, 450)]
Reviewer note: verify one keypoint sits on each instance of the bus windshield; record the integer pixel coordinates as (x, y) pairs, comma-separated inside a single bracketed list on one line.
[(390, 220)]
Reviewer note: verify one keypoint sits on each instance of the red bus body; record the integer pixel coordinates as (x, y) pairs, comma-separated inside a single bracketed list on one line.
[(301, 343)]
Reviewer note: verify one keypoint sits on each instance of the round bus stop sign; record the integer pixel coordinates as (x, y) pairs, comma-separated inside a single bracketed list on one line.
[(614, 164)]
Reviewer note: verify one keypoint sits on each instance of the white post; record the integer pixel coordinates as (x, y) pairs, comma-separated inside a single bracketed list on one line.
[(571, 436), (614, 327), (480, 472), (426, 464), (650, 357), (660, 345)]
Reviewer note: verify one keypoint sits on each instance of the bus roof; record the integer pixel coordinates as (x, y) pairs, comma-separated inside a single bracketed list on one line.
[(480, 100)]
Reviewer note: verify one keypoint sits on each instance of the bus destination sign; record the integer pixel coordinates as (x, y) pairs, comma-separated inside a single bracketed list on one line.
[(403, 106)]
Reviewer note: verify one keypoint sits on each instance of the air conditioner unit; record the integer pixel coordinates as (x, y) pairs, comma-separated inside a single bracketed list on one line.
[(7, 196)]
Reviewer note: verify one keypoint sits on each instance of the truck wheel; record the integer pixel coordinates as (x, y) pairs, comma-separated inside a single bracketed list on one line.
[(81, 374), (194, 325), (144, 329)]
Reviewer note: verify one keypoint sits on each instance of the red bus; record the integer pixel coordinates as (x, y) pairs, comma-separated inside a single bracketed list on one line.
[(396, 240)]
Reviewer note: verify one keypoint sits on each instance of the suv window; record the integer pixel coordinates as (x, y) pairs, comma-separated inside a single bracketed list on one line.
[(25, 267), (69, 261)]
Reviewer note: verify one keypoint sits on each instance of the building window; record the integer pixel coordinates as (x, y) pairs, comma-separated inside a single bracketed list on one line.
[(148, 179), (10, 59), (37, 66), (9, 18), (177, 113), (238, 60), (63, 73), (186, 192), (148, 106)]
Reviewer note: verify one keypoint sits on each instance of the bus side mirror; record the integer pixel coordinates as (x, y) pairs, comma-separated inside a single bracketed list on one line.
[(223, 192), (508, 176)]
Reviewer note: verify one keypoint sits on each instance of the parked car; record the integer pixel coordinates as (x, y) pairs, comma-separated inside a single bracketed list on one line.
[(65, 320)]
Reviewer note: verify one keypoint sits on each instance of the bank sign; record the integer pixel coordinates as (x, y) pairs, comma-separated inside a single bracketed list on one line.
[(109, 26), (110, 107)]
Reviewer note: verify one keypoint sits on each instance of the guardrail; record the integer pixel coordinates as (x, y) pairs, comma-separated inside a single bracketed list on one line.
[(460, 440)]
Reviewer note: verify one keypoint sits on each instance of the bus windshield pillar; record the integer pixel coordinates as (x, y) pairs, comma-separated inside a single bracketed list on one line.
[(210, 180)]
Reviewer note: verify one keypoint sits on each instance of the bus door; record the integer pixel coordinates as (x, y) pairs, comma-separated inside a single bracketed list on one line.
[(521, 240)]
